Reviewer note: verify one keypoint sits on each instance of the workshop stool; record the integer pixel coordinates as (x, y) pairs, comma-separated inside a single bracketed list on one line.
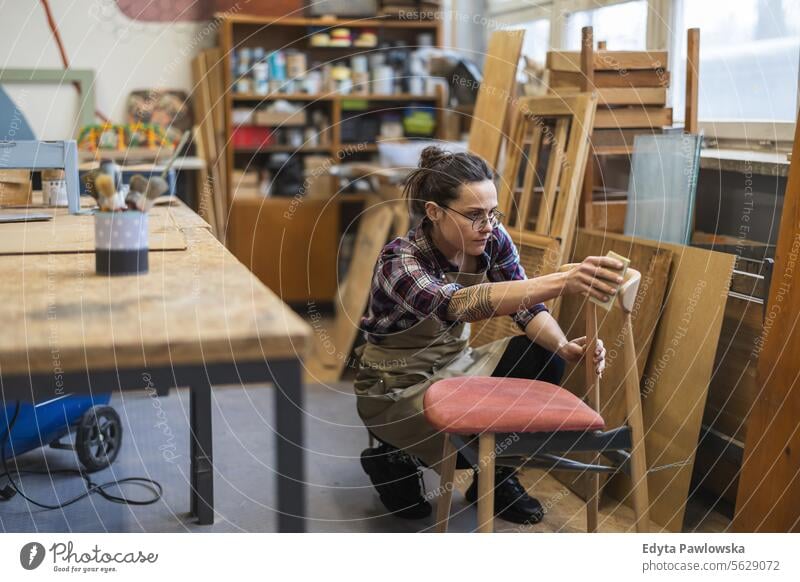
[(534, 420)]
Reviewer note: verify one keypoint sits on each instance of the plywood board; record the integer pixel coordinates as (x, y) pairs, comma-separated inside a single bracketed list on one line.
[(654, 264), (677, 375), (496, 93), (207, 106), (331, 351), (74, 233)]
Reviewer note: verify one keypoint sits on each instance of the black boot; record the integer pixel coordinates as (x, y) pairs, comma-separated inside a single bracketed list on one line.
[(511, 500), (398, 480)]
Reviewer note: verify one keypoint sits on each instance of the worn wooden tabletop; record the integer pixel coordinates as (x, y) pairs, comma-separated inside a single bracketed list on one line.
[(193, 306)]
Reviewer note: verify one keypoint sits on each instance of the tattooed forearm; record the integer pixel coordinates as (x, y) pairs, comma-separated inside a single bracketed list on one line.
[(472, 303)]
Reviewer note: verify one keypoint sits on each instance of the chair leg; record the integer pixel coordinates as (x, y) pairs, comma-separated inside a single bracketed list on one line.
[(486, 483), (448, 472), (592, 500), (593, 400), (633, 400)]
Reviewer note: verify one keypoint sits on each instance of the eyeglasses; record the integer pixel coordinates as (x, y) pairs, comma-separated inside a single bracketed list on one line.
[(480, 222)]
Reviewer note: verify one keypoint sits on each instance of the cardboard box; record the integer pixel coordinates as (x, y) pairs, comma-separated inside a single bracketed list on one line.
[(319, 184), (246, 184), (15, 187)]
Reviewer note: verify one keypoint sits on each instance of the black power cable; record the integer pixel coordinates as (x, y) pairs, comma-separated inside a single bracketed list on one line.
[(91, 487)]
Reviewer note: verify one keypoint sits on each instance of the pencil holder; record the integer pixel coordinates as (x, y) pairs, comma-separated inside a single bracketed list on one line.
[(120, 240)]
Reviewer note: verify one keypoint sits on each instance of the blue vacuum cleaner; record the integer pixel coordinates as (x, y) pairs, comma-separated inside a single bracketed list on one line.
[(96, 425)]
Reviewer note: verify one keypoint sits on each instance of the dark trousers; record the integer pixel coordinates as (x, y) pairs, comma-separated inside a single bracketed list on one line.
[(525, 359)]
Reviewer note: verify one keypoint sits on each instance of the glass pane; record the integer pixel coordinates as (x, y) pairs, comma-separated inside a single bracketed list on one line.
[(662, 187), (622, 26), (749, 54)]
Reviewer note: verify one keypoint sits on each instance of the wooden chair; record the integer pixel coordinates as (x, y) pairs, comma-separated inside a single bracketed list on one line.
[(532, 422)]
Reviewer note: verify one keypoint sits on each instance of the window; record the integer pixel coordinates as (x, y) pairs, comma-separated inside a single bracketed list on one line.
[(537, 39), (749, 54), (623, 26)]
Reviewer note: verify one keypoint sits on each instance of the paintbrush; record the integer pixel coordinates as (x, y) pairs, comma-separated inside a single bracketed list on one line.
[(112, 169), (88, 182), (104, 186), (181, 144), (156, 186), (136, 193)]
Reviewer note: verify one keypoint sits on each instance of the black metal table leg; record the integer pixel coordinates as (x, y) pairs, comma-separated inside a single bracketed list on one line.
[(192, 454), (202, 460), (289, 435)]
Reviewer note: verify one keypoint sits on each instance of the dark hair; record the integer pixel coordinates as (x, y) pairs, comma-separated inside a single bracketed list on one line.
[(439, 175)]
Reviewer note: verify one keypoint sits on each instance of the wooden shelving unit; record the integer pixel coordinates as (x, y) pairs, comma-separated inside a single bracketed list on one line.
[(308, 272), (333, 97)]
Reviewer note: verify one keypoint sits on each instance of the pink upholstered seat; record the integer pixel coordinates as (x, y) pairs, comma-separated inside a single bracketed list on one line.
[(477, 404)]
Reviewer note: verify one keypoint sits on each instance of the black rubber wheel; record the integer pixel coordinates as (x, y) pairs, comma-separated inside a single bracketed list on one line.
[(98, 438)]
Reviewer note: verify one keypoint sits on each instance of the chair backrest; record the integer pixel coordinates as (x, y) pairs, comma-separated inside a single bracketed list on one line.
[(546, 155)]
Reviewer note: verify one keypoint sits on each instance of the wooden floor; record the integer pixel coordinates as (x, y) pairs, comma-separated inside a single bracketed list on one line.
[(566, 511)]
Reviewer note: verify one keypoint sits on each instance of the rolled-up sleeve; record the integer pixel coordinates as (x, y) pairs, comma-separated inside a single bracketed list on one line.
[(410, 283), (506, 267)]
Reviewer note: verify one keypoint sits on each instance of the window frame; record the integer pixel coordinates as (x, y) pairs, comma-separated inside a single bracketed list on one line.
[(662, 20)]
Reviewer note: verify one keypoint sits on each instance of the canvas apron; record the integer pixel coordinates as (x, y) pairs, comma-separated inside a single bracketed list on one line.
[(393, 377)]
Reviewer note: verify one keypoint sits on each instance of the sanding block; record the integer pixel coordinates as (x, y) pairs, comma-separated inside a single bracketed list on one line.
[(611, 298)]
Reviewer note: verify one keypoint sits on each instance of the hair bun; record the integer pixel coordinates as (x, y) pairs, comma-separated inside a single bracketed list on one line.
[(432, 155)]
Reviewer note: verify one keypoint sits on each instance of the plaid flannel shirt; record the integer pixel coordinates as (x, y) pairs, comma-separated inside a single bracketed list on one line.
[(409, 284)]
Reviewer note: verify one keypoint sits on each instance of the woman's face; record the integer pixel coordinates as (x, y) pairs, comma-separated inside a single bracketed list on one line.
[(454, 223)]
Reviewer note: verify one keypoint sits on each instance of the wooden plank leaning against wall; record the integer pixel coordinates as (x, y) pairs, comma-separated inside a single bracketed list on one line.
[(769, 485)]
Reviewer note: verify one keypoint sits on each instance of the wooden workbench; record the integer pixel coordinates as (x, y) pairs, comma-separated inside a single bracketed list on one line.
[(199, 318)]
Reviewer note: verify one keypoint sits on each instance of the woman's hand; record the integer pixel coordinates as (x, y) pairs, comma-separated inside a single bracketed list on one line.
[(572, 351), (594, 277)]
